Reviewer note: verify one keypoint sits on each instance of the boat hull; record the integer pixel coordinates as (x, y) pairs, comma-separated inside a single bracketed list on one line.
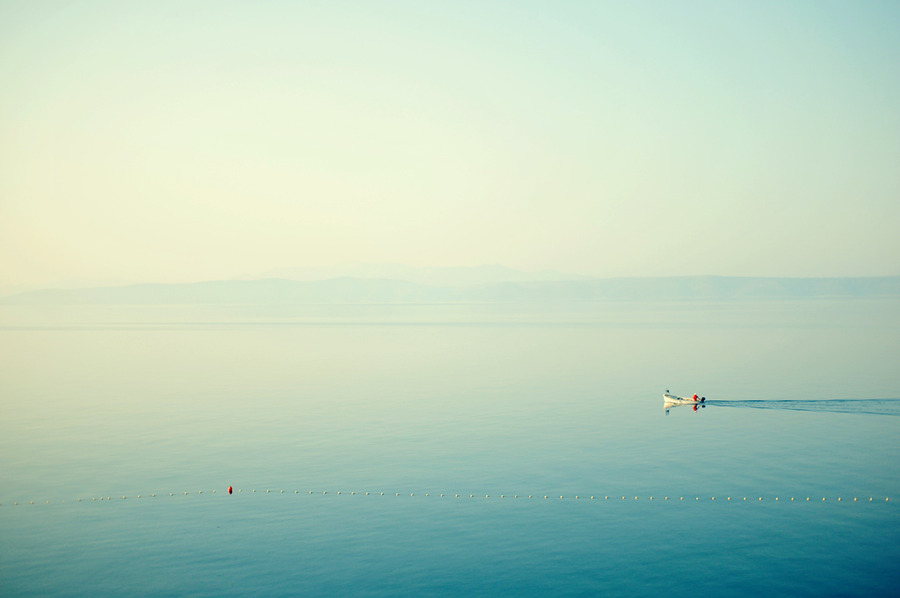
[(673, 400)]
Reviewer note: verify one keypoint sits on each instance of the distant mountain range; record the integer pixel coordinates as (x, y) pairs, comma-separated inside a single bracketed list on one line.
[(377, 290), (454, 276)]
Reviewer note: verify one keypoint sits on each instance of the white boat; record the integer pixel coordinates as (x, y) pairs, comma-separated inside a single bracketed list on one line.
[(670, 399)]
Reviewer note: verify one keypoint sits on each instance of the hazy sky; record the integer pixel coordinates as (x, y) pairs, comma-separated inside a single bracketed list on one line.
[(176, 141)]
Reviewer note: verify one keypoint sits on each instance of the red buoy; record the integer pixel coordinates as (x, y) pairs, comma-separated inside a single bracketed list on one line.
[(230, 490)]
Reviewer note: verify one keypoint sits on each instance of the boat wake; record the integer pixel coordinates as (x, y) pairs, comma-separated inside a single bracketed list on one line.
[(861, 406)]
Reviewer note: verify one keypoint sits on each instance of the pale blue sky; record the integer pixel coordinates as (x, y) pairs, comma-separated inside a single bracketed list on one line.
[(177, 141)]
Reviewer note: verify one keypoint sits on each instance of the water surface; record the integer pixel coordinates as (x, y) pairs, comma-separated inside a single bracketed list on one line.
[(481, 400)]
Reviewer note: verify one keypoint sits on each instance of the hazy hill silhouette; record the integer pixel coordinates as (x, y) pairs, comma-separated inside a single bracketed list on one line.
[(362, 290)]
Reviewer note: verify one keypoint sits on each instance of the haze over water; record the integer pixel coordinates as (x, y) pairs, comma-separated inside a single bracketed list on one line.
[(397, 272)]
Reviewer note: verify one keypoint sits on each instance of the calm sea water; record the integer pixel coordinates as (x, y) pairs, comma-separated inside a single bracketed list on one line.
[(804, 401)]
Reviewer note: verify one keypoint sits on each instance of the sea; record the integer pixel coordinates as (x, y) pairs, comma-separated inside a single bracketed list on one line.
[(451, 449)]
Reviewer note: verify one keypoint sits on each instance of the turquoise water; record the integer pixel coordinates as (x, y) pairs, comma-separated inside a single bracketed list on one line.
[(423, 400)]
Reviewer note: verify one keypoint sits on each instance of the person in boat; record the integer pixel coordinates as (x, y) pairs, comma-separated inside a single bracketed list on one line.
[(696, 398)]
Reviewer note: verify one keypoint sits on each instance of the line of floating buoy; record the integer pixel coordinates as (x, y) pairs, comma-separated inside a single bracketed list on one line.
[(230, 491)]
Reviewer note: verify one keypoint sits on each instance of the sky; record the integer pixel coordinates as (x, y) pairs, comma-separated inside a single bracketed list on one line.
[(183, 141)]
